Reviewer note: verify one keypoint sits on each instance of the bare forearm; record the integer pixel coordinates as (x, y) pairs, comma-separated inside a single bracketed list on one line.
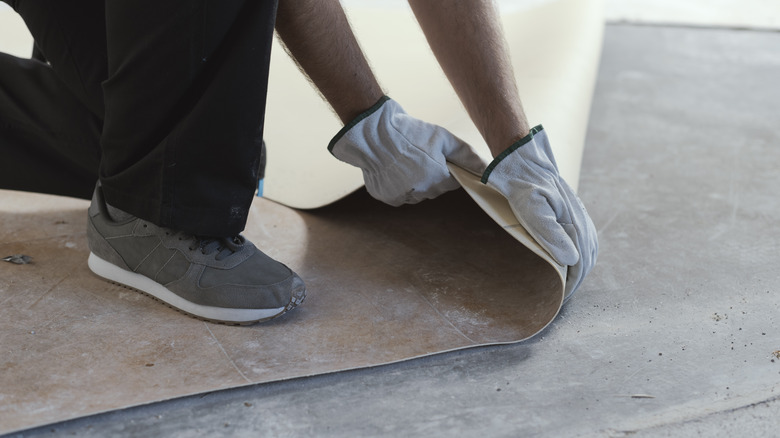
[(317, 34), (468, 42)]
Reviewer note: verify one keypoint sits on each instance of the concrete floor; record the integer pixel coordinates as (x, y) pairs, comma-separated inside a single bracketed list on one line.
[(675, 333)]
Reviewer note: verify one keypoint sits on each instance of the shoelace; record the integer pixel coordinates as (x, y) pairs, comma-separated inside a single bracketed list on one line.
[(224, 246)]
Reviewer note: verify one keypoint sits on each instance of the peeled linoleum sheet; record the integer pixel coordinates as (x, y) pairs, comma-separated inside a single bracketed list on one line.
[(384, 284)]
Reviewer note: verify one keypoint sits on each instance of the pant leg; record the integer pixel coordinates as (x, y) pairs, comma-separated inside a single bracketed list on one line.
[(185, 104), (51, 115), (49, 141)]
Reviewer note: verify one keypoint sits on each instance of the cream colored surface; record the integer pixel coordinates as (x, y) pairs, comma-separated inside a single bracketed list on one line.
[(555, 47), (14, 37)]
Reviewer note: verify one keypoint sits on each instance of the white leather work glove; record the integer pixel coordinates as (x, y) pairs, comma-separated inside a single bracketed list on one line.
[(527, 175), (404, 160)]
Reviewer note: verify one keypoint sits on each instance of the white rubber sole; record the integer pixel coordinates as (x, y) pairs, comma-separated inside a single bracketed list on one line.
[(156, 290)]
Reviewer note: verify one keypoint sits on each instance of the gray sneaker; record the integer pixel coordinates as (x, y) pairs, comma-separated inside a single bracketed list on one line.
[(225, 280)]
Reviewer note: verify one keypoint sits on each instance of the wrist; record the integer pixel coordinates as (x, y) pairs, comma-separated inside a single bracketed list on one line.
[(357, 119), (498, 143), (349, 108), (502, 154)]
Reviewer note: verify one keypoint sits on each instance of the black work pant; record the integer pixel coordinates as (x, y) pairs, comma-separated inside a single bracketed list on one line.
[(162, 101)]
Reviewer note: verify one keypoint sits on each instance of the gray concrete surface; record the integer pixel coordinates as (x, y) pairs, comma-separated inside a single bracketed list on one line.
[(674, 334)]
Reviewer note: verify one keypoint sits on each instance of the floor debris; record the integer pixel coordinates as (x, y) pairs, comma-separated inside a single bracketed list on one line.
[(19, 259)]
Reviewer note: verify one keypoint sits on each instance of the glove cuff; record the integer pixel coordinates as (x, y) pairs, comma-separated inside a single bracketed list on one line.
[(374, 108), (515, 146)]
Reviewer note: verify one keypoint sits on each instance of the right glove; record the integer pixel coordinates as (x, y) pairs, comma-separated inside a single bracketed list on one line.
[(404, 160), (527, 176)]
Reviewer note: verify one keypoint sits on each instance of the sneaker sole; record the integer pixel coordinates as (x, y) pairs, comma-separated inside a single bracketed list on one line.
[(151, 288)]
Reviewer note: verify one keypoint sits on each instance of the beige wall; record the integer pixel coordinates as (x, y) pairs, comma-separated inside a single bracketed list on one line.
[(14, 38)]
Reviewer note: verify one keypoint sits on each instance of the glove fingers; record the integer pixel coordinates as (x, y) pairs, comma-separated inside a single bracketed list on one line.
[(442, 185), (583, 232), (588, 250), (391, 188), (542, 224), (576, 272), (587, 237)]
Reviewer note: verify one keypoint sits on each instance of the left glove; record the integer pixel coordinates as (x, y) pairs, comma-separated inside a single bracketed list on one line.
[(403, 159)]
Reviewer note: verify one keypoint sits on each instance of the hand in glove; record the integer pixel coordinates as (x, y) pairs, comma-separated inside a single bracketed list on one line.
[(527, 176), (404, 160)]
